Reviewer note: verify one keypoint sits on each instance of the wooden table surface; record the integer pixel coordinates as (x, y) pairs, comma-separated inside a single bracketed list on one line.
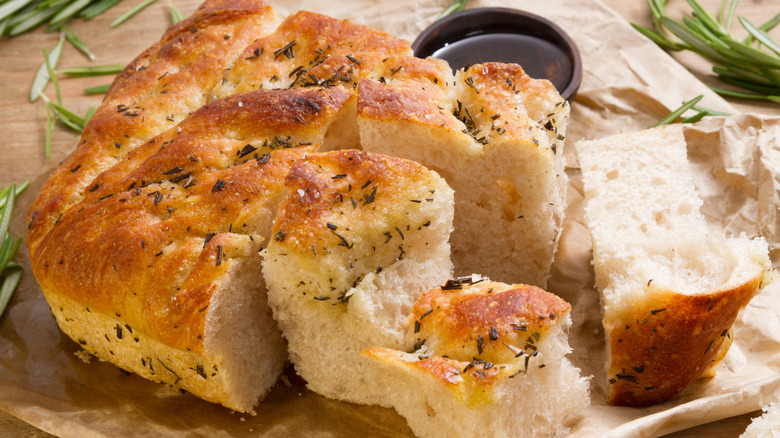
[(24, 123)]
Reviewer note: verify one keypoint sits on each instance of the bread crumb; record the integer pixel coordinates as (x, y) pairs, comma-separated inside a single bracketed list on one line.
[(83, 355)]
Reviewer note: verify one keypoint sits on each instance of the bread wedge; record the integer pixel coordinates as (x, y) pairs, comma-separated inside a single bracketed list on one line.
[(489, 361), (496, 135), (358, 238), (671, 285)]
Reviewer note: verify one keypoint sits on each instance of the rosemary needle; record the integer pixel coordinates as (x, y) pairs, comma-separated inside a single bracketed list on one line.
[(100, 89), (674, 115), (94, 70), (10, 273), (175, 14), (134, 10), (77, 42), (42, 77)]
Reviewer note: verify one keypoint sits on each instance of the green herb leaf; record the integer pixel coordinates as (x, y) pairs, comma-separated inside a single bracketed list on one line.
[(67, 12), (18, 189), (674, 115), (7, 211), (455, 6), (52, 76), (12, 278), (93, 70), (759, 35), (77, 42), (50, 121), (9, 7), (175, 14), (752, 96), (42, 77), (23, 23), (90, 113), (99, 89), (97, 8), (134, 10)]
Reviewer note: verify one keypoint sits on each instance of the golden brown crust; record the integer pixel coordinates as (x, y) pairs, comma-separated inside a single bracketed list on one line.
[(491, 321), (155, 232), (310, 49), (154, 92), (668, 342), (473, 332), (409, 89)]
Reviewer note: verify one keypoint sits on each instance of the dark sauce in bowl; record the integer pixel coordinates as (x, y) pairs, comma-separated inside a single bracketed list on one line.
[(506, 35)]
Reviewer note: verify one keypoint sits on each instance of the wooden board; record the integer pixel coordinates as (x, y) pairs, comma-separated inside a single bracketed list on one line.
[(24, 123)]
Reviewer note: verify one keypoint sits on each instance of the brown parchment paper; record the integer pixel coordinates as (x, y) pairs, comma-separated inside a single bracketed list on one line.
[(628, 84)]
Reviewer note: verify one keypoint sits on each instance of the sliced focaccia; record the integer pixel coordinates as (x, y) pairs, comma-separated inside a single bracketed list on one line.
[(489, 361), (355, 242), (496, 135)]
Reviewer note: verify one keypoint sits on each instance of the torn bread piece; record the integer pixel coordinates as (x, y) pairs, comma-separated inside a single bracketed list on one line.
[(489, 361), (496, 135), (157, 270), (671, 285), (356, 240)]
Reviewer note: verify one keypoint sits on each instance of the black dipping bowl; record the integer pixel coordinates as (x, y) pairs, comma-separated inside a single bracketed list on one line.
[(480, 35)]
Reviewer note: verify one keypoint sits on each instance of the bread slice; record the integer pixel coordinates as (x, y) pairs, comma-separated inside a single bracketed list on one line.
[(490, 361), (671, 286), (157, 270), (496, 135), (356, 240)]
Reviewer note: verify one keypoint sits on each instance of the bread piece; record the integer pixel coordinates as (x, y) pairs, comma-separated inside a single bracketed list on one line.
[(765, 426), (157, 270), (671, 286), (496, 135), (490, 361), (355, 242)]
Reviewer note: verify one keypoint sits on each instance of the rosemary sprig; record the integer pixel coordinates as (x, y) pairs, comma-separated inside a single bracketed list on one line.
[(10, 272), (455, 6), (701, 112), (752, 64)]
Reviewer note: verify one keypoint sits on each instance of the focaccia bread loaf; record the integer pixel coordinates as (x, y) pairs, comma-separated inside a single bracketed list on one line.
[(355, 242), (671, 285), (489, 361), (496, 135), (145, 240)]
